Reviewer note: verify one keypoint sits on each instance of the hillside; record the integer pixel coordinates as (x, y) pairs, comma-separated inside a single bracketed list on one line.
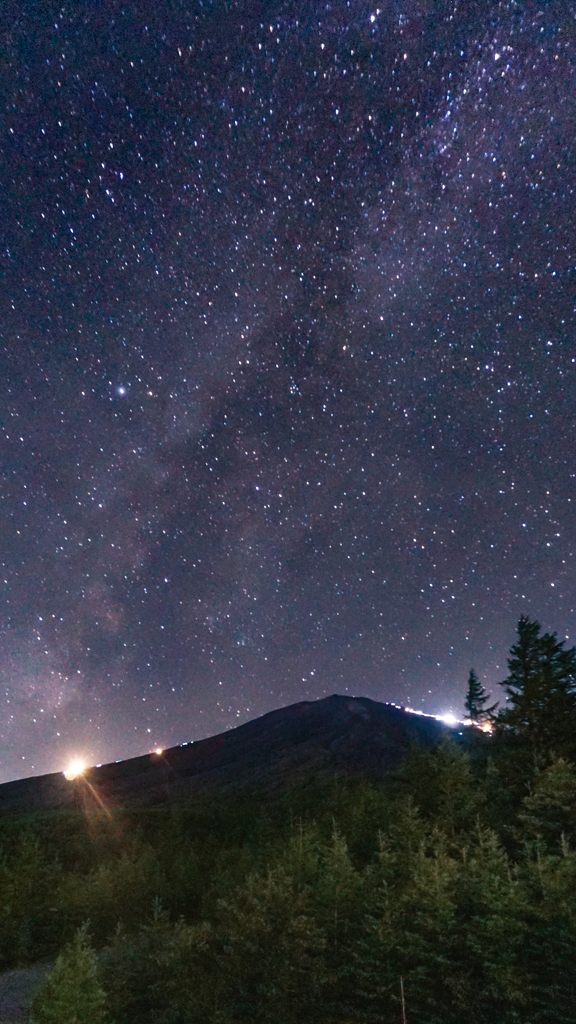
[(287, 747)]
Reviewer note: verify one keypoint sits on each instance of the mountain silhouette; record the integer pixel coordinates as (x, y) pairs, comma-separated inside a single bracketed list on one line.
[(292, 746)]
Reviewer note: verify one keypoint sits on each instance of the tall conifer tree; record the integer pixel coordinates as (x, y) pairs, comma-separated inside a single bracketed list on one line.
[(71, 993), (541, 690), (476, 700)]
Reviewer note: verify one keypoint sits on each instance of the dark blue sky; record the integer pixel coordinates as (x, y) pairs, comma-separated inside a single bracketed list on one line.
[(288, 394)]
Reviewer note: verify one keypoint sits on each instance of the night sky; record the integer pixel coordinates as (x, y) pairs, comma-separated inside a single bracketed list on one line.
[(288, 367)]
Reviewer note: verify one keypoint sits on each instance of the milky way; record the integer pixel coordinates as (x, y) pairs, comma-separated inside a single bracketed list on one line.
[(288, 385)]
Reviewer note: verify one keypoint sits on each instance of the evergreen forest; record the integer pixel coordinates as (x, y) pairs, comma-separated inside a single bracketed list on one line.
[(444, 894)]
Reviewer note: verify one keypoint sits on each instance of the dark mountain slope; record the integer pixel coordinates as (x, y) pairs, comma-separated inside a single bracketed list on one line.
[(288, 747)]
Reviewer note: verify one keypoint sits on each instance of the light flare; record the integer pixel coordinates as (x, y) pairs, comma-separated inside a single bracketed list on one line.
[(448, 719), (74, 769)]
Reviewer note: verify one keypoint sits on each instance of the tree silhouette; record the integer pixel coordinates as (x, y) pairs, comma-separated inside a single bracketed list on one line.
[(476, 700), (541, 689)]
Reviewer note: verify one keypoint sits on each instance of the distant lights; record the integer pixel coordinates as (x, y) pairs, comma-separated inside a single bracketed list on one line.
[(448, 719), (158, 751)]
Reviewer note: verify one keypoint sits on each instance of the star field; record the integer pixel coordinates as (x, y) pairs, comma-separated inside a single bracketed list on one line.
[(288, 383)]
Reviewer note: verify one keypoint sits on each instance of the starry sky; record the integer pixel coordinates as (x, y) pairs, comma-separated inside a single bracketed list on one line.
[(288, 368)]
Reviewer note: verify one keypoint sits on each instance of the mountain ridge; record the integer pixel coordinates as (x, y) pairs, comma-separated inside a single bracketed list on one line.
[(289, 746)]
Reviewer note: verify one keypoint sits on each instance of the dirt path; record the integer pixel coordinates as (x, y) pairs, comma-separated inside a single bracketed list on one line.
[(16, 991)]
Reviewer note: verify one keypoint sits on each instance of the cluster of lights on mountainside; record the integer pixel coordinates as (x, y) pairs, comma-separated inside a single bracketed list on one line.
[(76, 768), (448, 719)]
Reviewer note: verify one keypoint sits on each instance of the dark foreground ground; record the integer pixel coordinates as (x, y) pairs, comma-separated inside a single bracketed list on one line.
[(16, 991)]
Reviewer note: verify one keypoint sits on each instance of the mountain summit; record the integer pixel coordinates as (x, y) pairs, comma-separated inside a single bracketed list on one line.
[(288, 747)]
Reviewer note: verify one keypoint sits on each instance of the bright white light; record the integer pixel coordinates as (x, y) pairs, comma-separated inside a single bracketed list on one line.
[(74, 769), (121, 391), (448, 719), (158, 750)]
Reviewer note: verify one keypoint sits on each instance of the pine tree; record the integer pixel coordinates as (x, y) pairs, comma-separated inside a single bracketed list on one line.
[(161, 973), (549, 811), (476, 700), (270, 965), (549, 882), (541, 689), (71, 993), (491, 912)]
